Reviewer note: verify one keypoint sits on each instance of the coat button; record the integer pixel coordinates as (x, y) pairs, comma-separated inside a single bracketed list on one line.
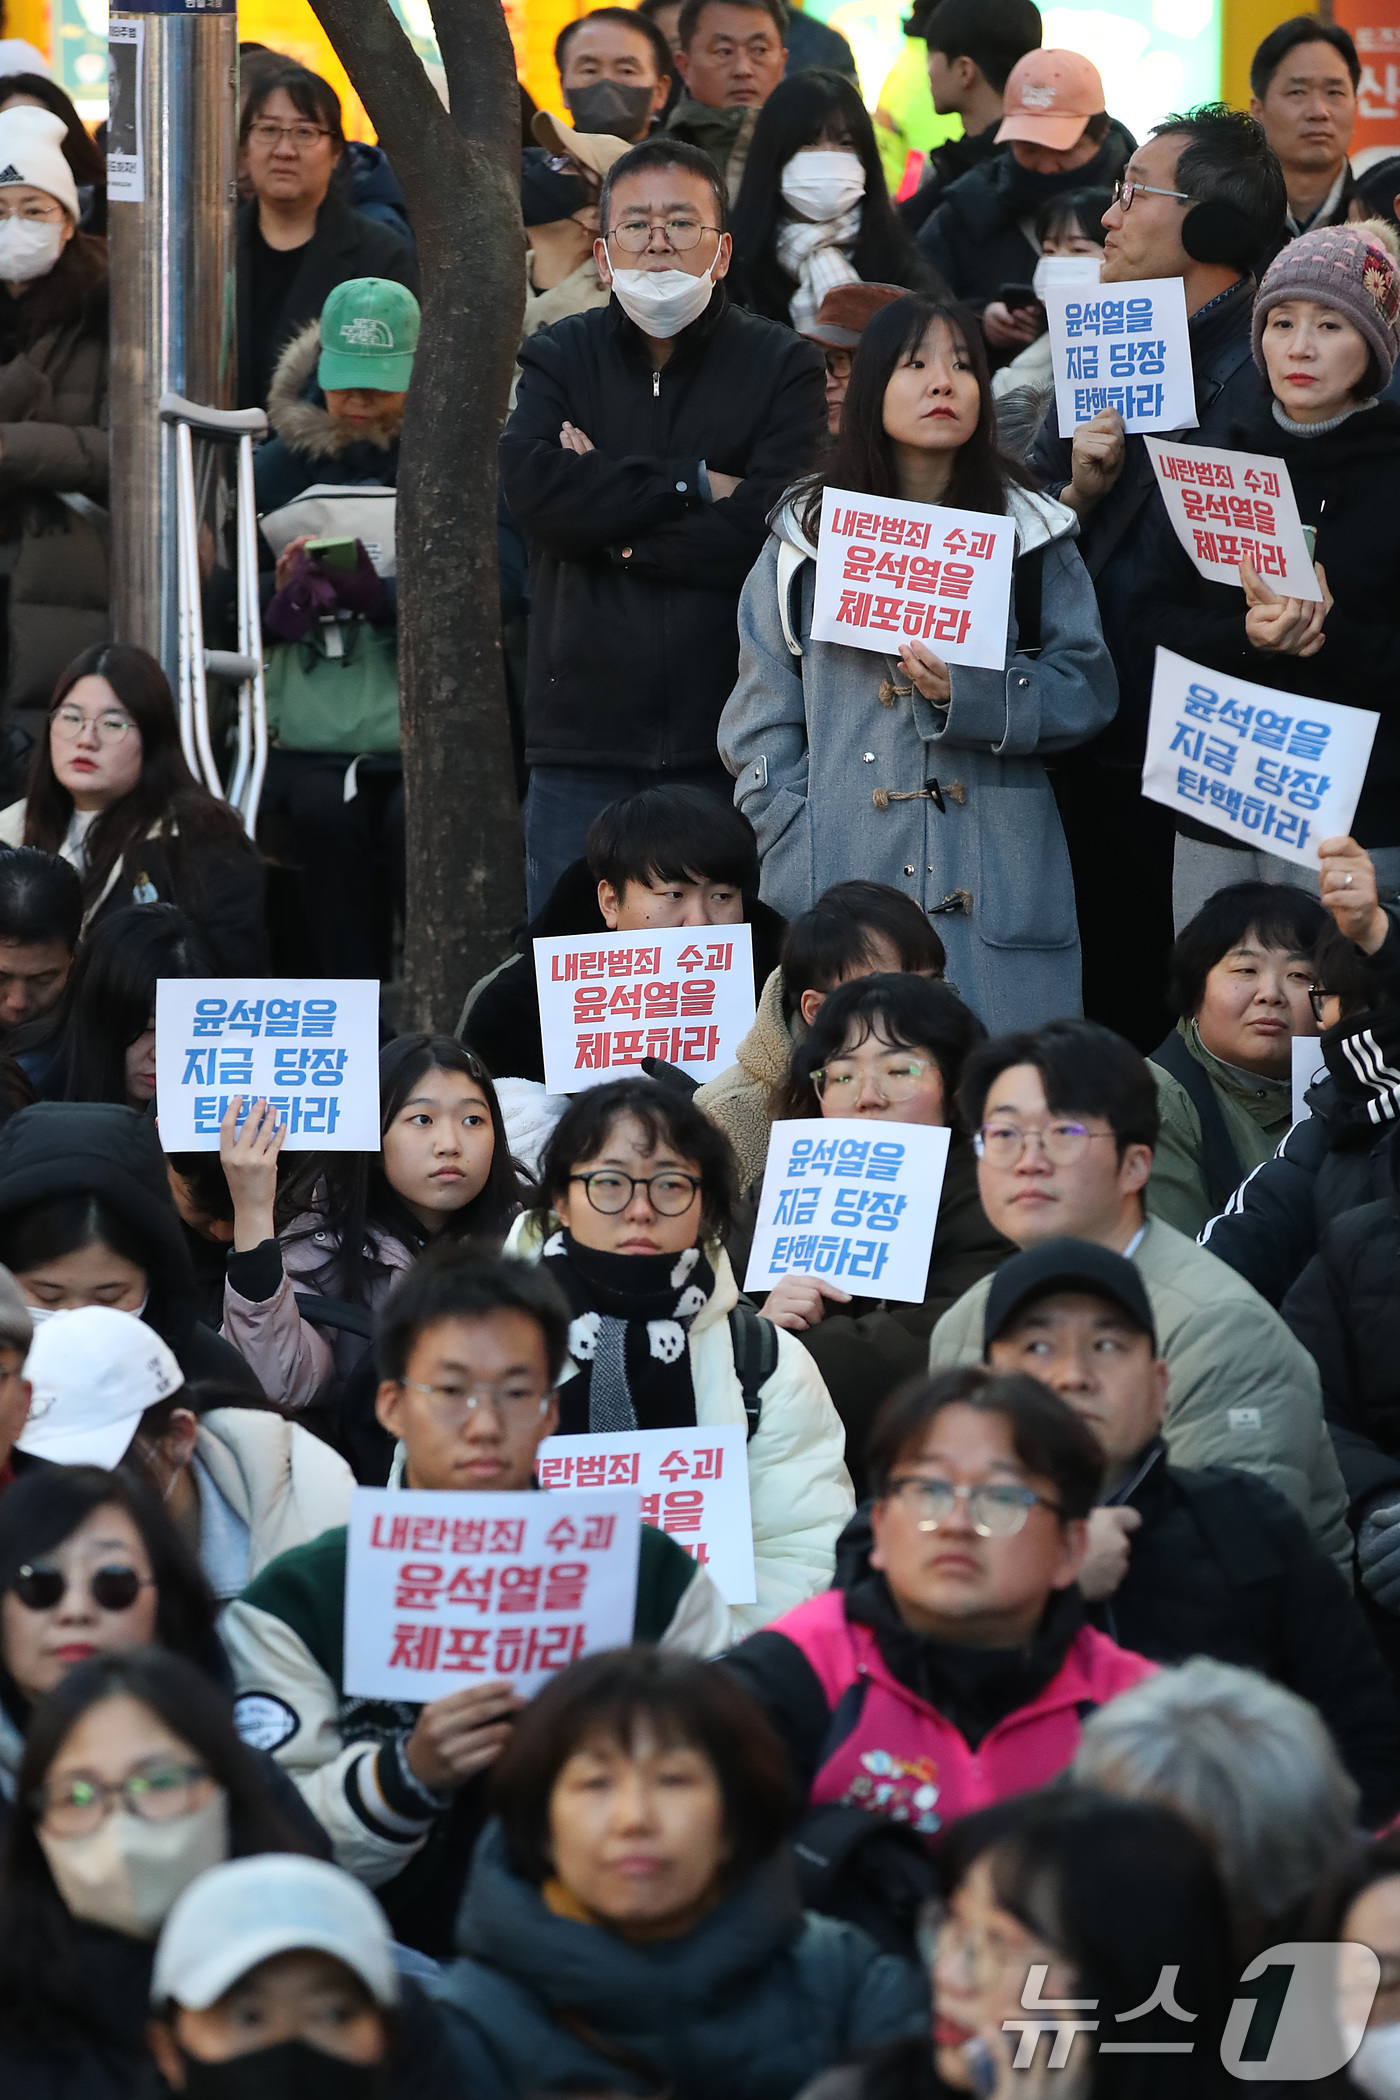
[(627, 554), (930, 867), (1023, 683), (909, 871), (681, 487), (867, 758)]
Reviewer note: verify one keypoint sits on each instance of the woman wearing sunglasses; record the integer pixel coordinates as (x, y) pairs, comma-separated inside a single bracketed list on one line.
[(133, 1782), (637, 1188), (887, 1049)]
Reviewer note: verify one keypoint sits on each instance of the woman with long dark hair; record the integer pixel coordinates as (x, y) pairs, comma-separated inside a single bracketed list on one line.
[(923, 774), (110, 790), (99, 1043), (813, 210), (346, 1224)]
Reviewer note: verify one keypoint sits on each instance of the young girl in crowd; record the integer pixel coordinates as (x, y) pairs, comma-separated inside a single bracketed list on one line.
[(924, 774), (1067, 225), (109, 789), (887, 1049), (1326, 336), (813, 211), (99, 1043), (133, 1782), (634, 1905), (637, 1187), (348, 1223)]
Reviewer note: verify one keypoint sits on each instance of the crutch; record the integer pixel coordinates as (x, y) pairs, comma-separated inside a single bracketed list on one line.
[(239, 426)]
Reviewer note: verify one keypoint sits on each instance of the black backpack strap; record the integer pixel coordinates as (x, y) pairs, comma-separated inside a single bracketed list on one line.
[(1029, 592), (1224, 1169), (755, 1344), (335, 1312)]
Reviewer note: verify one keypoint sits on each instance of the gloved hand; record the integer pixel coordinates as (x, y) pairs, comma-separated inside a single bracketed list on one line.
[(1378, 1552)]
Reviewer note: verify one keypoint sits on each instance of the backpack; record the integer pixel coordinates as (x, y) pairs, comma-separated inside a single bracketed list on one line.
[(755, 1345)]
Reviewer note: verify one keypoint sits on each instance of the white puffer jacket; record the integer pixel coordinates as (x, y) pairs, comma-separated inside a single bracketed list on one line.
[(285, 1484), (800, 1494)]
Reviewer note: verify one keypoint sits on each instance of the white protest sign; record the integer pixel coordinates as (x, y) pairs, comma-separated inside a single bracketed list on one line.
[(683, 994), (1267, 769), (1229, 507), (889, 572), (1122, 346), (308, 1045), (854, 1202), (694, 1485), (126, 159), (1308, 1070), (447, 1590)]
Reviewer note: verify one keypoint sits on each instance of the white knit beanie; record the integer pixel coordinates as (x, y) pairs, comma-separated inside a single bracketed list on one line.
[(31, 151)]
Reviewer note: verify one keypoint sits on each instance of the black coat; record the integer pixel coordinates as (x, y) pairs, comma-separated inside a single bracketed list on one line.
[(95, 1148), (1223, 1566), (1345, 484), (344, 245), (944, 166), (1126, 538), (634, 642), (975, 239)]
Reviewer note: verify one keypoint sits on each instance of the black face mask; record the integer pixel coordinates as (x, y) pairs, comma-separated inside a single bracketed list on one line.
[(609, 107), (290, 2071)]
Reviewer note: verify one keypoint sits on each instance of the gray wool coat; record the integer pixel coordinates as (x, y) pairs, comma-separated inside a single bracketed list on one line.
[(815, 747)]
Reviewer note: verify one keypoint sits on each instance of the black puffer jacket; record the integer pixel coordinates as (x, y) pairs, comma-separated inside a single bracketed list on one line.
[(1223, 1566), (634, 645), (95, 1148)]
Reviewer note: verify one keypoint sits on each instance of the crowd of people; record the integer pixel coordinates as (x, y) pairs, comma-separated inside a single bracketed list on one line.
[(1058, 1737)]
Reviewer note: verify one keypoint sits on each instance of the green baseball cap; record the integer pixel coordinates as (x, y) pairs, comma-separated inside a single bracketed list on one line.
[(369, 332)]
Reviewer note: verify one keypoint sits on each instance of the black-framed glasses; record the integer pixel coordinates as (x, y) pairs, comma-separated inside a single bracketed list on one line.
[(1317, 994), (269, 134), (610, 1191), (996, 1509), (633, 236), (159, 1791), (40, 1586), (1124, 193)]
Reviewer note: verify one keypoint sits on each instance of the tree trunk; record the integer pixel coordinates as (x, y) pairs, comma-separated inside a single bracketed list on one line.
[(461, 176)]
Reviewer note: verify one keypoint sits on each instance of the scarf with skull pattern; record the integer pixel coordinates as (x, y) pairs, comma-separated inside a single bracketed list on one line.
[(630, 1317)]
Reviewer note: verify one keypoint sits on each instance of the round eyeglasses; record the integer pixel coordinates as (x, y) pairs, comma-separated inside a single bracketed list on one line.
[(633, 236), (610, 1191), (157, 1792), (70, 722), (843, 1084), (40, 1587), (996, 1509)]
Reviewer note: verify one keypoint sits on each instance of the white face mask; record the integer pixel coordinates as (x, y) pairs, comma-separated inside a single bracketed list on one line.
[(39, 1313), (127, 1873), (822, 185), (1376, 2064), (29, 248), (663, 302), (1055, 270)]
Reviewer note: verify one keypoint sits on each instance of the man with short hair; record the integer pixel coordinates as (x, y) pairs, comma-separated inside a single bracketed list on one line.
[(1157, 227), (1053, 124), (614, 72), (648, 443), (855, 929), (41, 917), (469, 1352), (731, 57), (1201, 1561), (1065, 1120), (1303, 81), (971, 46), (951, 1664)]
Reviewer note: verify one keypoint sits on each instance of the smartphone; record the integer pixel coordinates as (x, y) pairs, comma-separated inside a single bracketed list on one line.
[(1015, 296), (1310, 540), (335, 553)]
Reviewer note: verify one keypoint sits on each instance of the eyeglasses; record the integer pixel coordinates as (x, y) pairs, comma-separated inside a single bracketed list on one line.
[(633, 235), (996, 1509), (1318, 994), (269, 134), (609, 1191), (842, 1085), (157, 1793), (37, 214), (1001, 1144), (40, 1587), (513, 1400), (70, 722), (1124, 193)]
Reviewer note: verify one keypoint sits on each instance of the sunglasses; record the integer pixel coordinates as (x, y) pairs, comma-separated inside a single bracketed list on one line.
[(111, 1589)]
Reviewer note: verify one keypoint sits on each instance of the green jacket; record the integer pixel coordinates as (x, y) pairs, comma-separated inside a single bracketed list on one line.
[(723, 134), (1257, 1113), (1243, 1391)]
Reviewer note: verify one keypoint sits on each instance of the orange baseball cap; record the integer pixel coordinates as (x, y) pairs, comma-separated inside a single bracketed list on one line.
[(1050, 97)]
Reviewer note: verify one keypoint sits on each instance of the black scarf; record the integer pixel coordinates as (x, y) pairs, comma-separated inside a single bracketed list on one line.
[(631, 1316)]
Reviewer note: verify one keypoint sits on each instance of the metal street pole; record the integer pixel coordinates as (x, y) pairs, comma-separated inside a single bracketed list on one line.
[(172, 156)]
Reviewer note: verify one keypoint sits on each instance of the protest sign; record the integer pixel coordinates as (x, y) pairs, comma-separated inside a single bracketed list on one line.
[(854, 1202), (1122, 346), (694, 1485), (1309, 1069), (683, 994), (447, 1590), (888, 572), (308, 1045), (1267, 769), (1229, 507)]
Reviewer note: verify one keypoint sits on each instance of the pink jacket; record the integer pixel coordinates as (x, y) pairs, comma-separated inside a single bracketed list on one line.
[(296, 1363), (905, 1760)]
